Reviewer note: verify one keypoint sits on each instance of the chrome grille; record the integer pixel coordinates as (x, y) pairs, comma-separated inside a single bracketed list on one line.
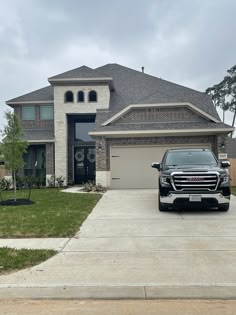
[(195, 180)]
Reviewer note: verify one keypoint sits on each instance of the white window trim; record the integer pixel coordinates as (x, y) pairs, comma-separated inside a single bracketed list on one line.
[(160, 133)]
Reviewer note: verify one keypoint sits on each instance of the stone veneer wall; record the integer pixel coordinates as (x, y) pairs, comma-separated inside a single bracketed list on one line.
[(103, 145), (62, 109)]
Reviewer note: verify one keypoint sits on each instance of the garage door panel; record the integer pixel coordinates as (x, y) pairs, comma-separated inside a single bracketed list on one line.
[(131, 166)]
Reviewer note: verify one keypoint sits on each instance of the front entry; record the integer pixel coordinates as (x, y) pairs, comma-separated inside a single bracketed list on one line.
[(84, 164)]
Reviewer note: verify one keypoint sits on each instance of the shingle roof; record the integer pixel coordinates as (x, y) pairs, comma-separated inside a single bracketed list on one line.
[(83, 72), (130, 87), (161, 126), (44, 94), (136, 87)]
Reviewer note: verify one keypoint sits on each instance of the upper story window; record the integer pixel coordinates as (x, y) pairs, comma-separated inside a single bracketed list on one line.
[(28, 113), (82, 129), (92, 96), (80, 96), (46, 112), (69, 97)]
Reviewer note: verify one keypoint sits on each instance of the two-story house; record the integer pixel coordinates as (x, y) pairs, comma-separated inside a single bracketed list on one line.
[(108, 124)]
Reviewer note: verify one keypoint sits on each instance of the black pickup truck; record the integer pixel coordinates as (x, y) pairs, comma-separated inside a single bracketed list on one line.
[(192, 178)]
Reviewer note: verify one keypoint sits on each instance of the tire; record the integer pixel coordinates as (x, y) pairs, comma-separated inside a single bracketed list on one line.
[(161, 206), (224, 208)]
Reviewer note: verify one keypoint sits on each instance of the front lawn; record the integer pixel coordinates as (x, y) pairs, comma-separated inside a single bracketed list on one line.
[(54, 214), (233, 190), (13, 259)]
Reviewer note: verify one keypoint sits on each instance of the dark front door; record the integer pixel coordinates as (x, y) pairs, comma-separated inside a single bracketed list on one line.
[(84, 163)]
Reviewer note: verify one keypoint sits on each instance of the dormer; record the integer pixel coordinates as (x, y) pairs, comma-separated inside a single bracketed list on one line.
[(82, 87)]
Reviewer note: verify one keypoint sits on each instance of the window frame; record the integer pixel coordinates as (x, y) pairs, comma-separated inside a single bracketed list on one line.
[(80, 124), (48, 105), (65, 97), (89, 95), (27, 107), (78, 96)]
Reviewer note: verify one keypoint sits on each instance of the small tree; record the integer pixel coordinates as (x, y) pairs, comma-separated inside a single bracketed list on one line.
[(13, 147), (223, 94)]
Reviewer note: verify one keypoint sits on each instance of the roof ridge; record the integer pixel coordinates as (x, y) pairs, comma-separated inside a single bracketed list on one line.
[(158, 78), (77, 69), (96, 70)]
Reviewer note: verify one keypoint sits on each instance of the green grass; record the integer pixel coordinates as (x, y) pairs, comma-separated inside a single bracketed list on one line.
[(54, 214), (13, 259), (233, 190)]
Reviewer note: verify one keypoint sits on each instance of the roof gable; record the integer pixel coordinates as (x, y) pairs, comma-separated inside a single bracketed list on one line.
[(161, 114), (82, 72), (169, 107)]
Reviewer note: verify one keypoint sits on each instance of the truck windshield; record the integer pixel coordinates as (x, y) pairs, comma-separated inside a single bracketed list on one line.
[(190, 158)]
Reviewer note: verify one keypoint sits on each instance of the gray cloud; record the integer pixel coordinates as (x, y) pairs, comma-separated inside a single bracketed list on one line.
[(188, 42)]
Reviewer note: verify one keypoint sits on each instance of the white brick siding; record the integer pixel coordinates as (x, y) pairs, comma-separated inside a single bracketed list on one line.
[(61, 109)]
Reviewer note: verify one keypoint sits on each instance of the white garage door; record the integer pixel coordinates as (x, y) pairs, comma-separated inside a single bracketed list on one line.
[(131, 166)]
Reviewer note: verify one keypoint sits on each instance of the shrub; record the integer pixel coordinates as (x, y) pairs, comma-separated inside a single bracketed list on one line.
[(39, 181), (5, 184), (20, 182), (27, 182), (51, 181), (60, 181), (90, 186)]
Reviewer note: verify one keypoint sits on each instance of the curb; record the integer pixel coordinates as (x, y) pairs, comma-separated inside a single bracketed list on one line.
[(118, 293)]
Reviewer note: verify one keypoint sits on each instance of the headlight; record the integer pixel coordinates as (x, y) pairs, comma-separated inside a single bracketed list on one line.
[(165, 180), (224, 179)]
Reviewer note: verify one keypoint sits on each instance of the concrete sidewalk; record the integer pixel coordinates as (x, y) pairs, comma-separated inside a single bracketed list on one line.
[(128, 249)]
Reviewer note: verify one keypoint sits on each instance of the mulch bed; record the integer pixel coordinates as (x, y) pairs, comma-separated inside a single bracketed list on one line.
[(18, 202)]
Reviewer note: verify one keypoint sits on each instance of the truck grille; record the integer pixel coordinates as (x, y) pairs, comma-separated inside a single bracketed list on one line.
[(195, 181)]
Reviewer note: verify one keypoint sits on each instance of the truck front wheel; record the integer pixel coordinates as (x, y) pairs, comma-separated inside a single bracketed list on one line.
[(224, 208), (161, 206)]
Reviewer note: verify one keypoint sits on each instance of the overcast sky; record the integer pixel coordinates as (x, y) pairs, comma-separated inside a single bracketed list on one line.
[(189, 42)]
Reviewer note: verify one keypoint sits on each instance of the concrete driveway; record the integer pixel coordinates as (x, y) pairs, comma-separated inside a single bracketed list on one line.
[(128, 249)]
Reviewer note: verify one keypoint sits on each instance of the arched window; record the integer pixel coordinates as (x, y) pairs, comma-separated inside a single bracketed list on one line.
[(92, 96), (69, 97), (80, 97)]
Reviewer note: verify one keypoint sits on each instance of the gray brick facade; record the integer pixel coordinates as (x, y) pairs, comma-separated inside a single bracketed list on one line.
[(103, 145), (70, 162), (160, 114), (34, 124), (41, 128), (50, 168)]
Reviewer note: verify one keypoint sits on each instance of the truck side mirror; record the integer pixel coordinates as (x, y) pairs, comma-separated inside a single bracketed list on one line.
[(156, 165), (225, 164)]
